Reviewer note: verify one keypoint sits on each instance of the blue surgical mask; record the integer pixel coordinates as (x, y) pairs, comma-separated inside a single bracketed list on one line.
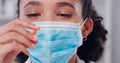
[(57, 42)]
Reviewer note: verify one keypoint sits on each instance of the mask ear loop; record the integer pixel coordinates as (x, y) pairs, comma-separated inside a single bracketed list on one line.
[(83, 22), (82, 26)]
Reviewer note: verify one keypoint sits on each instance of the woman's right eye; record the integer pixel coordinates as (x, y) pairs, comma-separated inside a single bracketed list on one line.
[(33, 15)]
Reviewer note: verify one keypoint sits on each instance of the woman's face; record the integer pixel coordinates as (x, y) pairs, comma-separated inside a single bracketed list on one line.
[(55, 10), (51, 10)]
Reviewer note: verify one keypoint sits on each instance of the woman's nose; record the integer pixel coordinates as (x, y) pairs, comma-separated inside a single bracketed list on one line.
[(48, 16)]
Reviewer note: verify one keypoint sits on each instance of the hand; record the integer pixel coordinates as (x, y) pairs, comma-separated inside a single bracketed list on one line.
[(14, 38)]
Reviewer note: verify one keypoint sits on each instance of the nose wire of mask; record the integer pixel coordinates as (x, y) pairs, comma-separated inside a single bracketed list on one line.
[(57, 42), (57, 25)]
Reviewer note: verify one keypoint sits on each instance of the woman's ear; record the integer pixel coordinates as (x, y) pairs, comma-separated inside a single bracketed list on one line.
[(87, 27)]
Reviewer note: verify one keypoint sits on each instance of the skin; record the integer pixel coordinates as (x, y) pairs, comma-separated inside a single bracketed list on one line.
[(11, 45)]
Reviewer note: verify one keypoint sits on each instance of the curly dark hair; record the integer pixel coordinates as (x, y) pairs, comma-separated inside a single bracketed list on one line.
[(93, 48)]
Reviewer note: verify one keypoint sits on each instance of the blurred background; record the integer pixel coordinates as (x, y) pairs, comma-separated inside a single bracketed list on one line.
[(109, 9)]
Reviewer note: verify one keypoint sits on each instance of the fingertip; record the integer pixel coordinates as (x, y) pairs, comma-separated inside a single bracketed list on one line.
[(35, 38), (26, 53), (34, 32), (33, 46)]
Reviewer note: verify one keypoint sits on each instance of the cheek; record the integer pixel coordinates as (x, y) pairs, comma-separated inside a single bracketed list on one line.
[(75, 19)]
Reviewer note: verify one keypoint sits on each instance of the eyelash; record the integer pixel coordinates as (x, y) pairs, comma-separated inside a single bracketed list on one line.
[(60, 14), (65, 15), (33, 15)]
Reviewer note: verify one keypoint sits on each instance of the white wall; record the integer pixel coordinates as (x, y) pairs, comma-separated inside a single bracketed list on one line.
[(116, 31), (103, 7), (7, 10), (111, 11)]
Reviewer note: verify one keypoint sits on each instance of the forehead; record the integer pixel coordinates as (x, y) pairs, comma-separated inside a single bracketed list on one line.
[(24, 2)]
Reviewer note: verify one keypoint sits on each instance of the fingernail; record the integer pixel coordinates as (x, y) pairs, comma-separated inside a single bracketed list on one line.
[(35, 38), (34, 32)]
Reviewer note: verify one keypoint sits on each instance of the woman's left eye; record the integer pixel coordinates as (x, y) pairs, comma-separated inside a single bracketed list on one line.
[(64, 15)]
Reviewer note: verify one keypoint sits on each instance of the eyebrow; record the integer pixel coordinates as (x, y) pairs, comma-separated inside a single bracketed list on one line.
[(63, 4), (34, 3), (59, 4)]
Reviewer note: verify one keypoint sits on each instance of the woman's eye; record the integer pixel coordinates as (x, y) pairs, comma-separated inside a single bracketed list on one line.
[(33, 15), (65, 15)]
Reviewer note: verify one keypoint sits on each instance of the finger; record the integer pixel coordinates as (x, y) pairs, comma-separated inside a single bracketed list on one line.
[(24, 32), (6, 28), (6, 48), (34, 32), (23, 49), (26, 24), (8, 37), (19, 48)]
